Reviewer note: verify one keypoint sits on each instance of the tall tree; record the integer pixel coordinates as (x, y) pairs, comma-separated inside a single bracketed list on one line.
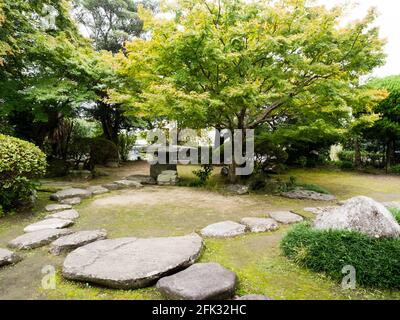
[(110, 23), (43, 61), (239, 64)]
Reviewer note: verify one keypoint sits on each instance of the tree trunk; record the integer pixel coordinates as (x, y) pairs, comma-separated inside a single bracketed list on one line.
[(357, 153)]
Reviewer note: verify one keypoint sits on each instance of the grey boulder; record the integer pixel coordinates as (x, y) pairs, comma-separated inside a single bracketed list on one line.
[(8, 257), (67, 215), (70, 193), (131, 263), (37, 239), (52, 223), (76, 240), (238, 189), (201, 281), (260, 224), (286, 217), (223, 229), (361, 214), (57, 207)]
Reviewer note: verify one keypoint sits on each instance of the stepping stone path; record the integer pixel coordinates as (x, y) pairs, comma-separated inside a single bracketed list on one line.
[(128, 184), (131, 263), (96, 190), (70, 193), (253, 297), (223, 229), (143, 179), (286, 217), (201, 281), (66, 215), (57, 207), (8, 257), (52, 223), (260, 224), (75, 240), (37, 239), (111, 186), (71, 201)]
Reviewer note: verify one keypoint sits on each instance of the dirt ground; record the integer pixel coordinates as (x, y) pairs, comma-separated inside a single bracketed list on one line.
[(169, 211)]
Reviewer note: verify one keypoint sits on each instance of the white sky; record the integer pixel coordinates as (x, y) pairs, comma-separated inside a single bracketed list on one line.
[(389, 23)]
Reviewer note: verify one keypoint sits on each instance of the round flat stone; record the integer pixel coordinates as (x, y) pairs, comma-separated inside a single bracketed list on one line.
[(37, 239), (76, 240), (111, 186), (8, 257), (201, 281), (286, 217), (96, 190), (66, 215), (57, 207), (260, 224), (71, 201), (52, 223), (223, 229), (130, 263), (70, 193)]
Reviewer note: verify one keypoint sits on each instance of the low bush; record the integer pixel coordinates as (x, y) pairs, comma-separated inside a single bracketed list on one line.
[(20, 163), (345, 165), (376, 261), (395, 169), (102, 151), (125, 145), (203, 174)]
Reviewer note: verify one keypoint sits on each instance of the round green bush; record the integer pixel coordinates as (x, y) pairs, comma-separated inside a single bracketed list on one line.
[(376, 261), (20, 163), (102, 151)]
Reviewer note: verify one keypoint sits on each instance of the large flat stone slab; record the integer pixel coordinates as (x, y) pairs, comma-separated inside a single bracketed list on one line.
[(223, 229), (37, 239), (76, 240), (57, 207), (71, 201), (70, 193), (53, 223), (260, 224), (8, 257), (360, 214), (112, 186), (130, 263), (286, 217), (66, 215), (201, 281), (96, 190)]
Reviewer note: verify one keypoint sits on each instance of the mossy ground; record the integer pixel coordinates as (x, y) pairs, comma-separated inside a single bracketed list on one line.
[(167, 211)]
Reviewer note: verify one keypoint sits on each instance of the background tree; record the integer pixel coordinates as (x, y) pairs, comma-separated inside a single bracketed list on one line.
[(237, 64)]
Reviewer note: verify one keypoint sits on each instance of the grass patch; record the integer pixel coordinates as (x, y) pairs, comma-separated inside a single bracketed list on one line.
[(315, 188), (376, 260), (396, 214)]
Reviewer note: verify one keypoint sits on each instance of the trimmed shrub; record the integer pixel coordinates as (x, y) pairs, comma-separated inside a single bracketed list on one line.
[(125, 144), (103, 151), (376, 261), (20, 163), (395, 169)]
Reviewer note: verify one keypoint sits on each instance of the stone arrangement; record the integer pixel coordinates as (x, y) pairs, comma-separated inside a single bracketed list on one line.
[(303, 194), (131, 263)]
